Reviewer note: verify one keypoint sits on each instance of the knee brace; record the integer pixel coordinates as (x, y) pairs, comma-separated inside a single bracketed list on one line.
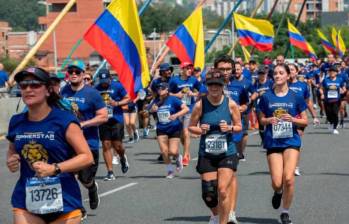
[(209, 193)]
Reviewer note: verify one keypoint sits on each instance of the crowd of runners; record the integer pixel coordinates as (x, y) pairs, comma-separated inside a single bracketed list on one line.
[(55, 141)]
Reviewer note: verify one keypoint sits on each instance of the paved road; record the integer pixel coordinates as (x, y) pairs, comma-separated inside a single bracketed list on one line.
[(145, 196)]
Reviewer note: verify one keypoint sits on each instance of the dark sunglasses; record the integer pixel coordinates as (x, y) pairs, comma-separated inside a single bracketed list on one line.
[(87, 79), (76, 71), (33, 84)]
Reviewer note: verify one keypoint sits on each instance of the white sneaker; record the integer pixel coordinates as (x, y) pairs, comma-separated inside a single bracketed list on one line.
[(214, 219), (335, 132), (297, 171), (315, 106), (136, 136), (232, 219), (170, 175), (179, 163), (115, 160)]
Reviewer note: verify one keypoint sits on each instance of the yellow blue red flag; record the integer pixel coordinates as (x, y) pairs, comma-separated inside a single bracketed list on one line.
[(327, 45), (117, 36), (340, 44)]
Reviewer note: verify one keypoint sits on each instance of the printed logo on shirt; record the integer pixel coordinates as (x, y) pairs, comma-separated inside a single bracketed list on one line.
[(50, 135), (76, 111), (281, 105), (34, 152), (279, 112), (333, 87)]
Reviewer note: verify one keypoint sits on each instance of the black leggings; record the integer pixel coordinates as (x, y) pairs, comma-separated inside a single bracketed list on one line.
[(332, 110)]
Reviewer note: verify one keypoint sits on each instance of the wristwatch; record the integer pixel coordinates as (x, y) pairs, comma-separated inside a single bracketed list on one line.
[(57, 169)]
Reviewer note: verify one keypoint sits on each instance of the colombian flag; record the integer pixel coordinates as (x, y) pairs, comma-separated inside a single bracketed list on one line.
[(328, 46), (187, 43), (297, 40), (117, 36), (258, 33), (340, 44)]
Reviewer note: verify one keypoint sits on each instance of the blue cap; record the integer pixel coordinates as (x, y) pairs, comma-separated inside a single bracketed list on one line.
[(79, 64), (104, 76), (165, 67)]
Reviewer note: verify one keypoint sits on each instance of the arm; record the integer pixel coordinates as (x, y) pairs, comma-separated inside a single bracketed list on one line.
[(194, 120), (122, 102), (236, 117), (83, 157), (183, 111), (100, 118), (13, 159)]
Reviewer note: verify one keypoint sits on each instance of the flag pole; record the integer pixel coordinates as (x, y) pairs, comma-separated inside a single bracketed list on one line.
[(283, 17), (42, 39), (297, 21), (104, 62), (253, 14)]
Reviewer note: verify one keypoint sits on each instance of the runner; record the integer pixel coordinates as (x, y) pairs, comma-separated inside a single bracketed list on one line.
[(280, 109), (130, 116), (111, 133), (331, 89), (90, 110), (48, 146), (168, 128), (218, 160), (185, 87), (343, 74)]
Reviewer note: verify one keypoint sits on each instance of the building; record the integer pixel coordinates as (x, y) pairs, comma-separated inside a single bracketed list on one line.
[(223, 7), (4, 30)]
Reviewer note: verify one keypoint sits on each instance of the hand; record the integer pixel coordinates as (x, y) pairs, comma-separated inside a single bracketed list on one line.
[(180, 95), (154, 108), (43, 169), (82, 124), (316, 121), (13, 163), (286, 117), (204, 128), (172, 117), (225, 127), (273, 120), (190, 93)]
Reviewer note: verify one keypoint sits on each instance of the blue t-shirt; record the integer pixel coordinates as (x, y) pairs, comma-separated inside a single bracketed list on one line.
[(246, 85), (169, 106), (3, 78), (262, 88), (301, 88), (116, 92), (85, 103), (247, 74), (176, 84), (332, 89), (44, 141), (284, 134), (235, 91)]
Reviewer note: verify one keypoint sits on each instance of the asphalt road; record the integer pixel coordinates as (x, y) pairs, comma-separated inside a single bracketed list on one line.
[(145, 196)]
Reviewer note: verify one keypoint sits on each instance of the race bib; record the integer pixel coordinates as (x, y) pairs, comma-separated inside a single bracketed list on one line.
[(186, 100), (216, 144), (332, 94), (282, 129), (110, 112), (44, 195), (164, 116)]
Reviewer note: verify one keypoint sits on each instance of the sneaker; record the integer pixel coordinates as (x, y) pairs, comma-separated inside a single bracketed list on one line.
[(185, 161), (179, 163), (232, 219), (131, 141), (109, 176), (93, 196), (124, 164), (276, 201), (136, 136), (160, 159), (297, 171), (335, 132), (214, 219), (83, 214), (315, 106), (145, 132), (115, 160), (242, 157), (285, 218), (170, 175)]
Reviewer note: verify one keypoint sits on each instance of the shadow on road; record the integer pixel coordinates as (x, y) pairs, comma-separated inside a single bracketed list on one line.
[(258, 220), (146, 153), (189, 219)]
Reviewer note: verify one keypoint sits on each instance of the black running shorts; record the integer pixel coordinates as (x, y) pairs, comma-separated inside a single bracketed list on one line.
[(111, 131), (206, 164)]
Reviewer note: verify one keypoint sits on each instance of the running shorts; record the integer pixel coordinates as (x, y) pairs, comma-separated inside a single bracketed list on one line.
[(207, 164)]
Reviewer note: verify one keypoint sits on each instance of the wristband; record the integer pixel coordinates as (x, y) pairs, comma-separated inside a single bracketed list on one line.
[(57, 169)]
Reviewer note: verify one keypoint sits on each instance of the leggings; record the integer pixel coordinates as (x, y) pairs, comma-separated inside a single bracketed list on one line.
[(332, 109)]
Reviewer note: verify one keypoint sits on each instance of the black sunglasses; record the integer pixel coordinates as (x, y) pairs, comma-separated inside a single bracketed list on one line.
[(33, 84), (87, 79), (76, 71)]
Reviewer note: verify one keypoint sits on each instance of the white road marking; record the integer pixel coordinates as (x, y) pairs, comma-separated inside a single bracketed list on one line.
[(115, 190)]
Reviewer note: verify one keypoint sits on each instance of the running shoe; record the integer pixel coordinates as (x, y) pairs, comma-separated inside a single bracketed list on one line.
[(145, 132), (136, 136), (93, 196), (115, 160), (185, 161), (242, 157), (83, 214), (276, 201), (232, 219), (109, 176), (335, 132), (285, 218), (160, 159), (179, 163), (214, 219), (124, 164), (297, 171), (170, 175), (131, 141)]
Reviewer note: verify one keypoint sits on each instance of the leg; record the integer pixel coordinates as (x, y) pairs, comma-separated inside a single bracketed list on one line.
[(127, 124), (290, 158), (173, 146), (164, 148), (107, 154), (21, 216), (275, 162), (210, 191), (133, 117), (224, 181), (335, 108)]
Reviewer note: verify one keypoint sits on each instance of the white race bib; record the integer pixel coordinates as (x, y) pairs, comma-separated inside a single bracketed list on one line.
[(110, 111), (164, 116), (44, 195), (186, 100), (332, 94), (216, 144), (283, 129)]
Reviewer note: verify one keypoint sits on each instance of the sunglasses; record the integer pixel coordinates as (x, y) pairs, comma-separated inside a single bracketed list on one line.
[(76, 71), (33, 84), (87, 79), (225, 69)]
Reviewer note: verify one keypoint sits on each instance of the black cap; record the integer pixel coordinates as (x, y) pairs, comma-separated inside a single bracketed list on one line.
[(333, 68), (38, 73), (215, 77), (261, 70), (104, 76), (54, 77), (197, 69)]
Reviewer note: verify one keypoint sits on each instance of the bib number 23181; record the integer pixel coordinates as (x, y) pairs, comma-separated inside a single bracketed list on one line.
[(216, 144), (283, 129), (44, 195)]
